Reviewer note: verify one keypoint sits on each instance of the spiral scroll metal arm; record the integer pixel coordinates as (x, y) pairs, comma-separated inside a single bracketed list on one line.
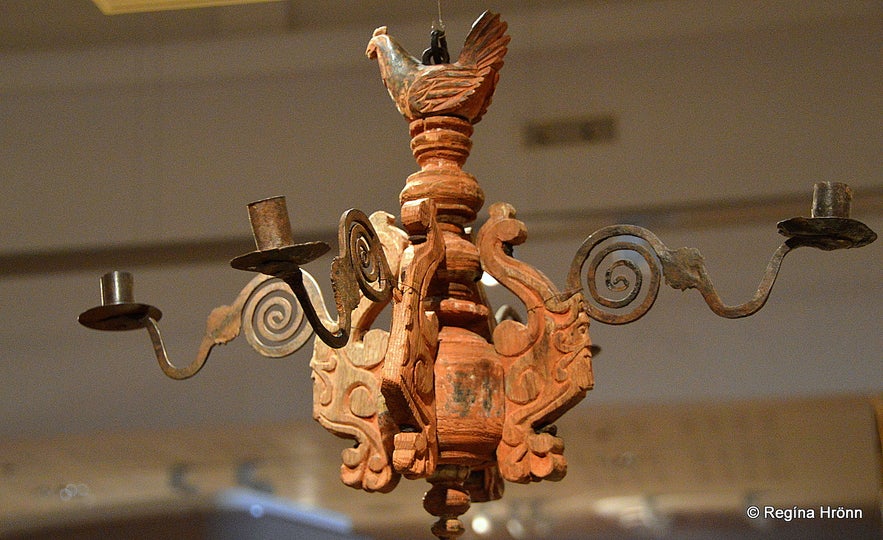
[(273, 324), (682, 268), (361, 265), (265, 307), (829, 228)]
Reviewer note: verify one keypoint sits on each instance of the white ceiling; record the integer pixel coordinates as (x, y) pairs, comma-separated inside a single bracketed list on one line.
[(50, 24)]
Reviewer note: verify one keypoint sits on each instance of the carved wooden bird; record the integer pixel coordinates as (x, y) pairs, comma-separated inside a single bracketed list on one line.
[(463, 88)]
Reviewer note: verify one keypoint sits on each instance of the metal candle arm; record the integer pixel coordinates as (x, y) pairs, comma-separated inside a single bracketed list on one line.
[(162, 357), (118, 311), (360, 266), (273, 324), (829, 228)]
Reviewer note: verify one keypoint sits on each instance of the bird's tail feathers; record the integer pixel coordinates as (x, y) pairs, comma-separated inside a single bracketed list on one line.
[(487, 42)]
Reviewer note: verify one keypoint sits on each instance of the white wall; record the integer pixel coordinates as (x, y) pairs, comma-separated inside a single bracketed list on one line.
[(119, 147)]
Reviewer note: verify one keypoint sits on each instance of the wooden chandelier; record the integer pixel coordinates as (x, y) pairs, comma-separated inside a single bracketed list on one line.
[(450, 392)]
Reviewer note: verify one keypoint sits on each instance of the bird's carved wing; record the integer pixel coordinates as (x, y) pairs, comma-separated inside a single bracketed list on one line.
[(445, 88), (463, 88)]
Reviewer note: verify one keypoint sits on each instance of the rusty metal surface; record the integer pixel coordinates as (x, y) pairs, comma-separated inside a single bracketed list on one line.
[(270, 223), (361, 265), (683, 268), (826, 233), (265, 307), (118, 310), (618, 246), (830, 226), (279, 261)]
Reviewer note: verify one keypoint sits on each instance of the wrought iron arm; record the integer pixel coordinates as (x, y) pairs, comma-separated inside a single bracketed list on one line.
[(273, 324), (829, 228), (683, 269), (162, 357), (360, 266)]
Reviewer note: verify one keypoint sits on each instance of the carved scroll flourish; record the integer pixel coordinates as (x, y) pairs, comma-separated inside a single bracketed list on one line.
[(347, 402), (408, 372), (683, 269), (346, 385), (547, 361)]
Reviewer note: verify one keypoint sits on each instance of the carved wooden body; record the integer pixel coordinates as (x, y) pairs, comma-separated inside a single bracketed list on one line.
[(448, 394)]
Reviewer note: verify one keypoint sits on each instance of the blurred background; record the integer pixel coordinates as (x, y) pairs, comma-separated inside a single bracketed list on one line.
[(134, 142)]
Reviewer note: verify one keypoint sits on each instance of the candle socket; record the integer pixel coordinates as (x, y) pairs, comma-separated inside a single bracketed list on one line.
[(118, 310), (117, 288), (270, 224), (831, 199)]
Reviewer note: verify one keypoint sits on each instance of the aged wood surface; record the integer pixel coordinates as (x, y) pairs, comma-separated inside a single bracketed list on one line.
[(472, 402), (346, 385), (408, 375), (462, 89), (547, 361)]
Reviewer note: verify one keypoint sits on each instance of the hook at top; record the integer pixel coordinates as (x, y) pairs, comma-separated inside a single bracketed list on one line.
[(437, 53)]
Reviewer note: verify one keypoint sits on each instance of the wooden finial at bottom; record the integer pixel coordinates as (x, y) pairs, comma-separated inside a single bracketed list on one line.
[(448, 499)]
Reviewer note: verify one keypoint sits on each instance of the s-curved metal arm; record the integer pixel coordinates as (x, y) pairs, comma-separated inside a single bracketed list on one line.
[(171, 371), (272, 323), (333, 337), (682, 268), (361, 265), (119, 312), (829, 228), (265, 307)]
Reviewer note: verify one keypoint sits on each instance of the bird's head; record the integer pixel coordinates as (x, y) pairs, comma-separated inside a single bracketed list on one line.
[(379, 34)]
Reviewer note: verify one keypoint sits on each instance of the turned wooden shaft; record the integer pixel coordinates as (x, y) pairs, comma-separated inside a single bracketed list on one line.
[(441, 146), (468, 375)]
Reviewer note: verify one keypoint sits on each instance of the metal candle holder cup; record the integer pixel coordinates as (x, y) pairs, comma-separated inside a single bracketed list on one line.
[(829, 226), (117, 288), (270, 224), (118, 309), (276, 254), (831, 199)]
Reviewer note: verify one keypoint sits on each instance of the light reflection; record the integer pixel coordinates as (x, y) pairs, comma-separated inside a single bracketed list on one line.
[(488, 280), (482, 525), (637, 512)]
